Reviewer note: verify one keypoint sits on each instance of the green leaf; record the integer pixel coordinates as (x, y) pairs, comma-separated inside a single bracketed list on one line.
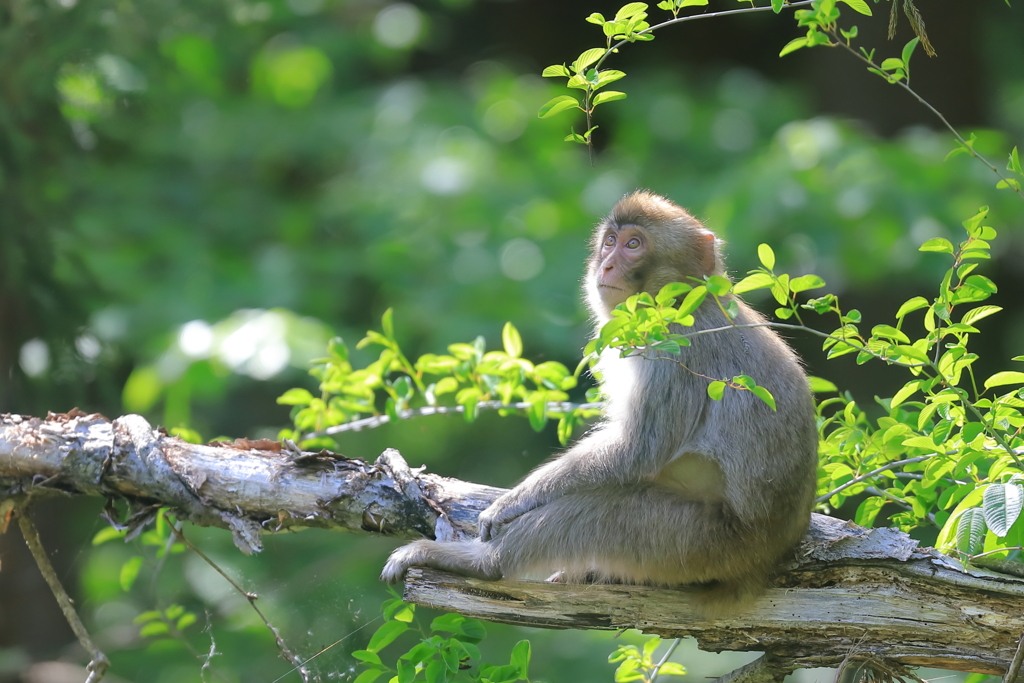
[(670, 292), (1003, 378), (672, 669), (764, 395), (387, 324), (386, 634), (1002, 504), (630, 10), (587, 58), (820, 386), (693, 3), (108, 534), (520, 657), (511, 340), (556, 70), (752, 282), (766, 256), (692, 301), (777, 5), (889, 332), (805, 282), (718, 285), (918, 302), (608, 96), (130, 572), (154, 628), (716, 390), (970, 531), (908, 49), (186, 620), (557, 105), (793, 46), (940, 244), (295, 397), (905, 392), (368, 676), (857, 6), (868, 510)]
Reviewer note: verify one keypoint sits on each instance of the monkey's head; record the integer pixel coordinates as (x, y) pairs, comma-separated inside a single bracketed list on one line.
[(645, 243)]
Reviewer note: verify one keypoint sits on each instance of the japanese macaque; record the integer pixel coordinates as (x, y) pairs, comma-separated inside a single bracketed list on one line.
[(673, 487)]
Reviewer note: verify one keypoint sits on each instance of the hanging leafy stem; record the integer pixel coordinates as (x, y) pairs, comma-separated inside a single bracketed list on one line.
[(819, 18)]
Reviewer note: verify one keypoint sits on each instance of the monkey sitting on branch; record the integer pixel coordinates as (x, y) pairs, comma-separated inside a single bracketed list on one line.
[(673, 487)]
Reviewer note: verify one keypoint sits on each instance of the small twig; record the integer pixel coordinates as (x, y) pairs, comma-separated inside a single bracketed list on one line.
[(380, 420), (930, 108), (1014, 668), (883, 468), (98, 663), (668, 653), (292, 658)]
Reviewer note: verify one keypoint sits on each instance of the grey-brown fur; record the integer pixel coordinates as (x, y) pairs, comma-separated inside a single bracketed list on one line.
[(673, 488)]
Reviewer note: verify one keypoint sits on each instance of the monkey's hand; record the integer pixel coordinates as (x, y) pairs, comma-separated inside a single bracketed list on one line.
[(502, 511)]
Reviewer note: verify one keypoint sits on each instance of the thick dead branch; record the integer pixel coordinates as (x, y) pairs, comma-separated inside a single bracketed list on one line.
[(245, 486), (849, 589)]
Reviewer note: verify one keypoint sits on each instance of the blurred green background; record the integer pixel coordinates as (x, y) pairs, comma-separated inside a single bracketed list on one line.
[(195, 196)]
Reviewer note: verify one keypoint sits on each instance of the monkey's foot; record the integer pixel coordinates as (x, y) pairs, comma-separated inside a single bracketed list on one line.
[(399, 562)]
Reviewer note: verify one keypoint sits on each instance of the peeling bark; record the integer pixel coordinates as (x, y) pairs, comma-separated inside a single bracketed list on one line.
[(849, 594)]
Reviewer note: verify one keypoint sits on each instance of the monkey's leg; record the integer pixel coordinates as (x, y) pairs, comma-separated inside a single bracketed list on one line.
[(641, 534), (469, 558)]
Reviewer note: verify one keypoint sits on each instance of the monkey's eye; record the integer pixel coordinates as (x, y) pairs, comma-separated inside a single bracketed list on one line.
[(609, 241), (633, 243)]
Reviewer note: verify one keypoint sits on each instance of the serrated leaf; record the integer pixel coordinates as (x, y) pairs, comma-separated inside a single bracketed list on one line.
[(970, 531), (608, 96), (1002, 504), (856, 6), (1003, 378), (557, 105), (976, 314)]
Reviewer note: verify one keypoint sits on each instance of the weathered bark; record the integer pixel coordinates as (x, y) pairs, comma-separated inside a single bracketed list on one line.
[(849, 593)]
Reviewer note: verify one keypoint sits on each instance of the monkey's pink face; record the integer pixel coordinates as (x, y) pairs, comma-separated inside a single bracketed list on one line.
[(619, 272)]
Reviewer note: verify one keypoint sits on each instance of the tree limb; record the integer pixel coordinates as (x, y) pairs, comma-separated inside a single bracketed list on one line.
[(871, 592)]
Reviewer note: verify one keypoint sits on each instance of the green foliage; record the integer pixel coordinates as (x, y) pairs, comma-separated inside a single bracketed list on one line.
[(638, 664), (468, 377), (447, 651)]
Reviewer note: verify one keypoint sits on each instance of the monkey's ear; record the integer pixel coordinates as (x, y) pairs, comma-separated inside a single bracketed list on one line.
[(708, 260)]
